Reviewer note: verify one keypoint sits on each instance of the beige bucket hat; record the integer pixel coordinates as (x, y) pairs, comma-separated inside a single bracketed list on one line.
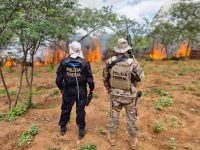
[(75, 50), (122, 46)]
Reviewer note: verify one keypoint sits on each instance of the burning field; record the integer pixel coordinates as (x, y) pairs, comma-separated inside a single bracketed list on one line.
[(54, 56), (168, 113), (159, 51)]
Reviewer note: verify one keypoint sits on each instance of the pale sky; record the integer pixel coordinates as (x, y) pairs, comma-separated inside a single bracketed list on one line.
[(134, 9)]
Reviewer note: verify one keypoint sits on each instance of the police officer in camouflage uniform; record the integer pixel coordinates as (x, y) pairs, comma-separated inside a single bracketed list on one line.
[(121, 75), (73, 75)]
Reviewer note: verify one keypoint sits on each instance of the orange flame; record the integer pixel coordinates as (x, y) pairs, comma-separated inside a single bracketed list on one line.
[(184, 50), (158, 52), (95, 54), (38, 63), (51, 57), (9, 62)]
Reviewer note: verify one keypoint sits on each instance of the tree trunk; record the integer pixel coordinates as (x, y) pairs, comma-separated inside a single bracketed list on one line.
[(6, 88), (166, 49), (188, 47), (20, 85), (31, 82), (153, 44), (23, 66), (26, 74)]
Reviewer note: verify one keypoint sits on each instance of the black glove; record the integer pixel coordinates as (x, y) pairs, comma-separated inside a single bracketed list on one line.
[(89, 98)]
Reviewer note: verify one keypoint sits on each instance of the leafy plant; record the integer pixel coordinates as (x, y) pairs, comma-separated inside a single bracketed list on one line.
[(165, 101), (2, 91), (174, 88), (140, 148), (34, 129), (172, 143), (102, 131), (15, 112), (173, 122), (2, 116), (158, 105), (89, 147), (190, 147), (12, 92), (158, 126), (26, 137), (161, 92), (54, 92)]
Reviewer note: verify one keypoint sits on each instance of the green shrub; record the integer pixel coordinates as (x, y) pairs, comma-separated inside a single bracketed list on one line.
[(165, 101), (102, 131), (2, 91), (174, 88), (2, 116), (161, 92), (173, 122), (54, 92), (34, 129), (140, 148), (89, 147), (12, 92), (190, 147), (26, 137), (172, 143), (15, 112), (158, 105), (158, 126)]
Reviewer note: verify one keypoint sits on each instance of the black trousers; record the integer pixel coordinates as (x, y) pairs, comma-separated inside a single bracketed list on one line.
[(69, 98)]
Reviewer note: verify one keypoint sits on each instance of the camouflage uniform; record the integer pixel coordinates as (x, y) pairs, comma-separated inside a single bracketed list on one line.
[(123, 98)]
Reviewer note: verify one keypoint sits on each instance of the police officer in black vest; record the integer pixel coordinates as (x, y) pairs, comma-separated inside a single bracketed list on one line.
[(73, 75)]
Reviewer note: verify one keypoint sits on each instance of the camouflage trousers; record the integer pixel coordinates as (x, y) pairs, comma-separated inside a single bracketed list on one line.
[(130, 109)]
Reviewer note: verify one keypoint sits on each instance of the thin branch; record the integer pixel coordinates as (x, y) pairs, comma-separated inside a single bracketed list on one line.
[(87, 34)]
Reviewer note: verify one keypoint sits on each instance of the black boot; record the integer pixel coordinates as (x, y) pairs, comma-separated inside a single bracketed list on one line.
[(63, 129), (82, 133)]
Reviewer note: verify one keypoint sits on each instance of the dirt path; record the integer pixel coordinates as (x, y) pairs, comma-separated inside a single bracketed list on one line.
[(181, 80)]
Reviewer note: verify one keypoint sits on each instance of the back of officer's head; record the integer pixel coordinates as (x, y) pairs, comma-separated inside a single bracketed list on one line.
[(74, 47), (122, 47), (75, 50)]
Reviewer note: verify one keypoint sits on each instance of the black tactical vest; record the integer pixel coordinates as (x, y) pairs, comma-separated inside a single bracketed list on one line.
[(74, 71)]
